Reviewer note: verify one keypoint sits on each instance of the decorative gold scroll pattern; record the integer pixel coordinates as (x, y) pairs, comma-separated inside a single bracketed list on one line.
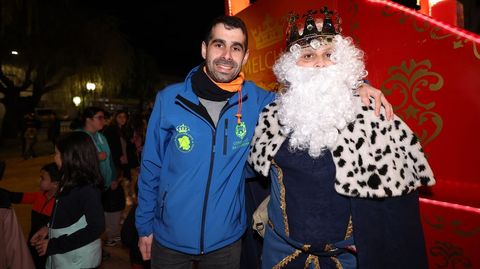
[(408, 80)]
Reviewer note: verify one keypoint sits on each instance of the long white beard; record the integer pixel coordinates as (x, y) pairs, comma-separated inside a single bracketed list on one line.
[(319, 101)]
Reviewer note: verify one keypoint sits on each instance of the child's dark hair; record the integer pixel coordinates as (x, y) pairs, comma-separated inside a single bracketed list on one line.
[(89, 112), (52, 170), (80, 165)]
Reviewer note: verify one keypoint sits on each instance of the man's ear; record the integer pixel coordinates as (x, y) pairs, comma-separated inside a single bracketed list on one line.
[(245, 57), (204, 50)]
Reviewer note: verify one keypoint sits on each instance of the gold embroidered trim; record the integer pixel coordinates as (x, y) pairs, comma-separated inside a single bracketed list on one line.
[(329, 247), (283, 203), (338, 265), (291, 257), (287, 259), (349, 232), (312, 259)]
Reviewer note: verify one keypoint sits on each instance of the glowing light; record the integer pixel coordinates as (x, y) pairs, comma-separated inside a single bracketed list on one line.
[(434, 2), (445, 26), (90, 86), (14, 52), (451, 205), (77, 100)]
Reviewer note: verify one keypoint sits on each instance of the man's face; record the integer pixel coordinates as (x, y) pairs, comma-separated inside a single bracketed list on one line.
[(310, 57), (225, 54)]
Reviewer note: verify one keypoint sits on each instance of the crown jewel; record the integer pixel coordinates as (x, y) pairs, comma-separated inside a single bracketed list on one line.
[(311, 36)]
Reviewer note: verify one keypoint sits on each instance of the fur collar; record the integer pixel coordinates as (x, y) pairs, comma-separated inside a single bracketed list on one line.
[(373, 157)]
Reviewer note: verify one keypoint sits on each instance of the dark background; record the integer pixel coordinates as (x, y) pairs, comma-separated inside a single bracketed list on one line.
[(170, 31)]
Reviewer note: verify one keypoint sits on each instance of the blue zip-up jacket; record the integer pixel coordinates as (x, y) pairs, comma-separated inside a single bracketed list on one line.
[(191, 183)]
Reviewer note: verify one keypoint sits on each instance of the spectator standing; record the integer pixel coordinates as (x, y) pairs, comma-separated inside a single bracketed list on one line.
[(72, 239), (30, 131), (119, 137), (113, 197), (54, 128), (42, 204)]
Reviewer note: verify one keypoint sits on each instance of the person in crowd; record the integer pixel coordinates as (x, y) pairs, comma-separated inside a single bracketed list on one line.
[(42, 204), (344, 183), (30, 135), (14, 251), (119, 137), (191, 184), (53, 128), (72, 238), (113, 196), (139, 126)]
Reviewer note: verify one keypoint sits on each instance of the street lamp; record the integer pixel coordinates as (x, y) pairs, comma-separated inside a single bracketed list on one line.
[(77, 100), (90, 86), (91, 90)]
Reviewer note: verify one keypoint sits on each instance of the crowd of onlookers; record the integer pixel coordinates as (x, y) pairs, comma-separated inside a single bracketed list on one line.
[(83, 195)]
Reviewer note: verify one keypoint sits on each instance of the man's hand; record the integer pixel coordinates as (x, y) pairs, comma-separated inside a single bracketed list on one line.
[(366, 91), (145, 246)]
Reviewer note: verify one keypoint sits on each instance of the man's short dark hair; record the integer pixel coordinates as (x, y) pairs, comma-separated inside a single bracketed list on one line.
[(230, 22)]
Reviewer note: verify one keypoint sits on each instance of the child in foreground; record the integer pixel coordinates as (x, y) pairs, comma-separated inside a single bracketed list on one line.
[(72, 239)]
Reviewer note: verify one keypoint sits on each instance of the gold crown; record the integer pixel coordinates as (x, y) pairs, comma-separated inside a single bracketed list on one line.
[(311, 35), (182, 128), (268, 33)]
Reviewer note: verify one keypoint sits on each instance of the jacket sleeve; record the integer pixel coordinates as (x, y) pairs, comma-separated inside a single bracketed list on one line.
[(151, 165), (93, 211), (15, 197)]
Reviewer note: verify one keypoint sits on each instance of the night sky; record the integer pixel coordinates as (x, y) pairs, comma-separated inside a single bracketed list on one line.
[(171, 31)]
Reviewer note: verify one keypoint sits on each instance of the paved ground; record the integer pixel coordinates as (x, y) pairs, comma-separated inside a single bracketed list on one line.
[(22, 175)]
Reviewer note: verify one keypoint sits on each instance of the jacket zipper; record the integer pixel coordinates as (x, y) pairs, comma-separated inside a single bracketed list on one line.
[(205, 199), (225, 137)]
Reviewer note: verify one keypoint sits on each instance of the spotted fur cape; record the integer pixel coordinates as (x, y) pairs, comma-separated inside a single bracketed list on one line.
[(374, 157)]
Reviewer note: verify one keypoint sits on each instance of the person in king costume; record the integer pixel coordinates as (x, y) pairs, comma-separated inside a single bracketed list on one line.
[(344, 182)]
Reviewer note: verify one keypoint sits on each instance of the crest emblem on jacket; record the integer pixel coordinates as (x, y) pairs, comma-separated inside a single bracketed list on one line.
[(183, 140), (241, 130)]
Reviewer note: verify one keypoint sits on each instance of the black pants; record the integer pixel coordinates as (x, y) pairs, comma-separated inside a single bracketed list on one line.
[(225, 258)]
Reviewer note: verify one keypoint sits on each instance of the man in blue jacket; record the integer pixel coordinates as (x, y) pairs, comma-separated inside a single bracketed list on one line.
[(191, 186)]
